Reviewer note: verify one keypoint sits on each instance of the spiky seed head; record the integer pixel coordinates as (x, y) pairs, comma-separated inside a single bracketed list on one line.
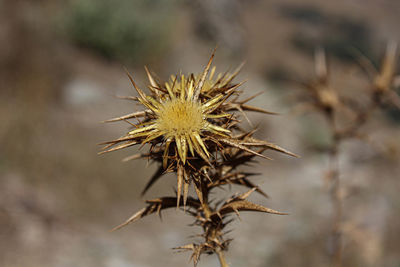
[(180, 118), (190, 121), (182, 114)]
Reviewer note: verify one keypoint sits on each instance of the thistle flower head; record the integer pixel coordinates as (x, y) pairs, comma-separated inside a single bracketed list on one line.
[(189, 121), (178, 116)]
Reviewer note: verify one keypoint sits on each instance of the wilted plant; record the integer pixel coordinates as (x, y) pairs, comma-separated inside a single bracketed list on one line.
[(346, 118), (192, 126)]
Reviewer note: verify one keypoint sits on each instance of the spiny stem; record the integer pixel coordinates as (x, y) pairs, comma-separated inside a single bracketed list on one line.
[(221, 257), (335, 193)]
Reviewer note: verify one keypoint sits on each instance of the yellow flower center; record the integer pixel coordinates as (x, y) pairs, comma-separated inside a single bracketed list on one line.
[(180, 118)]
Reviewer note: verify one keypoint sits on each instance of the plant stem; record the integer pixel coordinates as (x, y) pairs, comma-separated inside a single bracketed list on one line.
[(221, 257), (336, 199), (213, 233)]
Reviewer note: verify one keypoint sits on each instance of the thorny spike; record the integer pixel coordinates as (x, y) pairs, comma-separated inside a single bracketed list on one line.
[(199, 86), (236, 72), (133, 218), (200, 142), (247, 194), (321, 68), (212, 72), (185, 192), (165, 155), (118, 147), (256, 109), (244, 205), (251, 98), (179, 148), (153, 206), (232, 143), (179, 184), (384, 79), (199, 193), (133, 157), (140, 92), (133, 98), (151, 79), (255, 142), (129, 116)]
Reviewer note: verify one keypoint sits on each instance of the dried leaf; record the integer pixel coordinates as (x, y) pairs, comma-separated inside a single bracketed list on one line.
[(156, 205), (238, 178), (244, 205)]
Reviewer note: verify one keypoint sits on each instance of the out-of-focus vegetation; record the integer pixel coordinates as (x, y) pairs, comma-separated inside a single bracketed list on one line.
[(392, 112), (341, 36), (122, 30)]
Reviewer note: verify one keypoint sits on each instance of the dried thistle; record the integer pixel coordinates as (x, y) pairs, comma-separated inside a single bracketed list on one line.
[(327, 101), (192, 125)]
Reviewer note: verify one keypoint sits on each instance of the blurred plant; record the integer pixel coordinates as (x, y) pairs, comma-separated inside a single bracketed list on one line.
[(336, 33), (193, 129), (219, 22), (123, 30), (346, 118)]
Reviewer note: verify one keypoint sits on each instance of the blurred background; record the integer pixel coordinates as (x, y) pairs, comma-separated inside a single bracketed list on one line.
[(61, 66)]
